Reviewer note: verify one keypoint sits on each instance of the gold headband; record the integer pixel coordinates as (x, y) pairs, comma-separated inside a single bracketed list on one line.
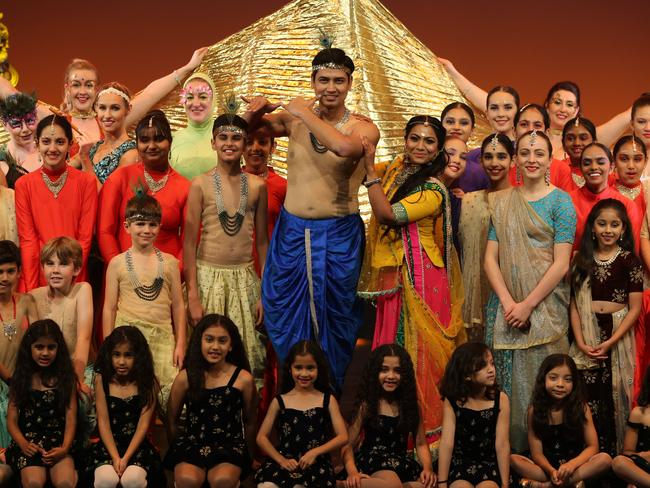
[(143, 217), (330, 65), (229, 128)]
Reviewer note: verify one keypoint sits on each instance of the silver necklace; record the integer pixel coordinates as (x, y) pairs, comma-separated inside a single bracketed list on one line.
[(407, 171), (155, 186), (315, 143), (231, 224), (55, 186), (9, 328), (146, 292), (610, 260)]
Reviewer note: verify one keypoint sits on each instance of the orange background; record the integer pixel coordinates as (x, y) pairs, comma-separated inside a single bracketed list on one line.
[(602, 45)]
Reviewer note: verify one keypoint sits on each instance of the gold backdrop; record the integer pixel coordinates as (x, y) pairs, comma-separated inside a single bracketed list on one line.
[(396, 75)]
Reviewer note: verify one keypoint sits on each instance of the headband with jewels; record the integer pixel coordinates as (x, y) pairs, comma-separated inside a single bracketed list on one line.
[(426, 120), (143, 217), (142, 207), (330, 57), (114, 91), (229, 121), (17, 105)]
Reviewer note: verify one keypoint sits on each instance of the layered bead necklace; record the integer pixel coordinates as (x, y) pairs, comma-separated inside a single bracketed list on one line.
[(146, 292), (231, 224), (315, 143)]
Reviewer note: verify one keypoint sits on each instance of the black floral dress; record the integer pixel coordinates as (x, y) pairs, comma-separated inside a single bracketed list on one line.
[(42, 422), (561, 444), (474, 458), (642, 444), (384, 447), (214, 431), (124, 415), (301, 431)]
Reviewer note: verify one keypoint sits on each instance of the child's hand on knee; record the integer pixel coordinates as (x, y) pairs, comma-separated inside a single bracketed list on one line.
[(289, 465), (30, 449), (566, 471), (428, 478), (54, 455), (307, 459)]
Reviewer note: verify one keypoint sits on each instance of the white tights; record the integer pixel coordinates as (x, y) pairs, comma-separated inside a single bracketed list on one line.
[(133, 477), (268, 484)]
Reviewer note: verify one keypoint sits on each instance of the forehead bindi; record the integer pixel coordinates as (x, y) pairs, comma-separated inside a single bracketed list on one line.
[(565, 96), (502, 98), (82, 76)]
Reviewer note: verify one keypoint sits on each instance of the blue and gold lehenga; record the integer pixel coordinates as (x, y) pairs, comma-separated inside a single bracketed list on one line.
[(526, 233)]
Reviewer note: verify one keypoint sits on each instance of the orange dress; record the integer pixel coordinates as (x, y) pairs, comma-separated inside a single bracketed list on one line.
[(118, 190), (40, 216)]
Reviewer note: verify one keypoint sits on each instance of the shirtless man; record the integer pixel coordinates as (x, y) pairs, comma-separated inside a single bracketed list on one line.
[(228, 205), (310, 281)]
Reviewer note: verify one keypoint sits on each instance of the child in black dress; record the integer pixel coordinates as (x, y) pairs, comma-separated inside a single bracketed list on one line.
[(633, 466), (217, 388), (474, 446), (308, 421), (41, 417), (561, 433), (387, 416), (126, 390)]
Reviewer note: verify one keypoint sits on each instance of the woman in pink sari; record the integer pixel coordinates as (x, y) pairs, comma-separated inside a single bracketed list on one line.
[(410, 267)]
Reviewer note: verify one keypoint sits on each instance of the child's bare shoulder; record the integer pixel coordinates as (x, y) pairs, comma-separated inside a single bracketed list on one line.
[(169, 258), (244, 378), (116, 261), (25, 299), (81, 289), (637, 414), (38, 294)]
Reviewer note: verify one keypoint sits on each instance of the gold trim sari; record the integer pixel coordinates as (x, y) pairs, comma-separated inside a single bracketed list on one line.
[(394, 263)]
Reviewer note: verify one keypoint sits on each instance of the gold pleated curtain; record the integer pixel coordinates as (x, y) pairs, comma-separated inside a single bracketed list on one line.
[(396, 75)]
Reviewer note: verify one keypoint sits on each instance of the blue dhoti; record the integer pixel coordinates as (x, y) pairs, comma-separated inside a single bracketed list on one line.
[(309, 287)]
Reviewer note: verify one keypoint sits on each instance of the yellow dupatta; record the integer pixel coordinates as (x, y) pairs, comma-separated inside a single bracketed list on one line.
[(428, 342)]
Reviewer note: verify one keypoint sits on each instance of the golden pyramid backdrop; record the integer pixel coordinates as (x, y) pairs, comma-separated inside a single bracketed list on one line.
[(396, 77)]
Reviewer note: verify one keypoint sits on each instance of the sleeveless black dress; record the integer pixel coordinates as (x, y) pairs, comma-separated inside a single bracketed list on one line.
[(642, 444), (301, 431), (474, 458), (214, 431), (560, 444), (42, 422), (124, 415), (384, 447)]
